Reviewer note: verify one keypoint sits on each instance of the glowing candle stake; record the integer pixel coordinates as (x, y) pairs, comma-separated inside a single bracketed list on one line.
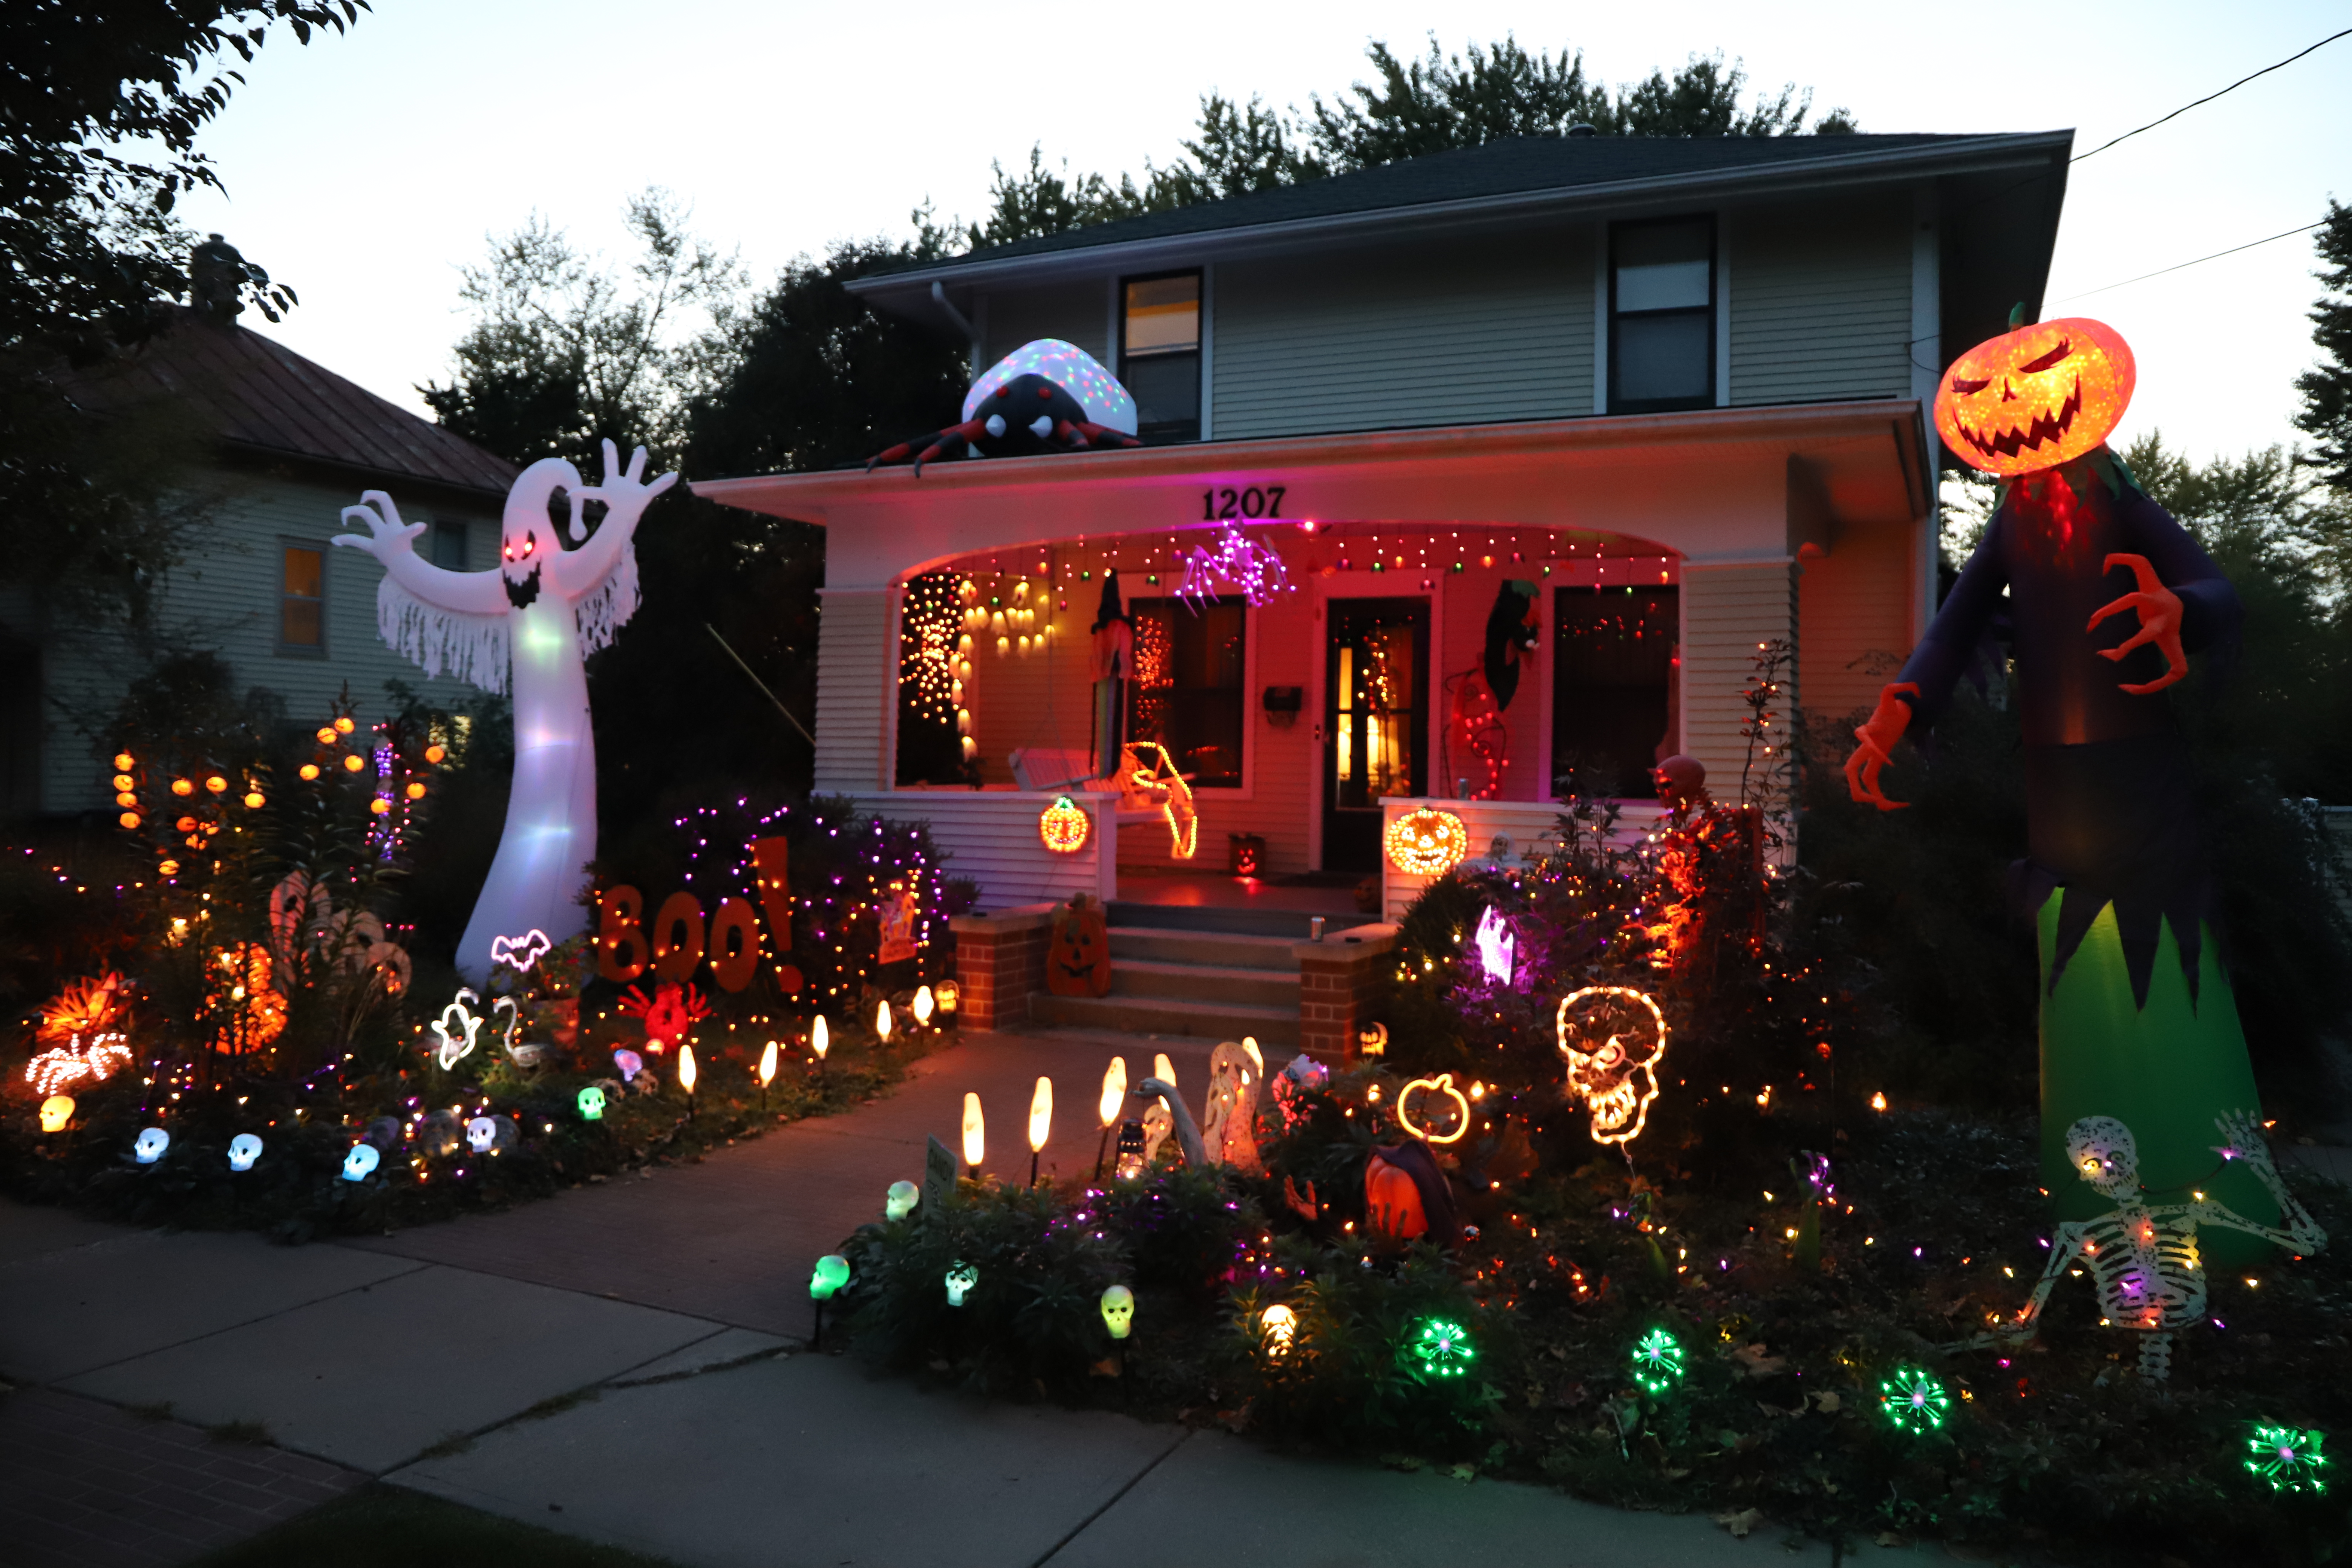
[(1041, 1123), (975, 1134), (882, 1020), (923, 1006), (1114, 1095)]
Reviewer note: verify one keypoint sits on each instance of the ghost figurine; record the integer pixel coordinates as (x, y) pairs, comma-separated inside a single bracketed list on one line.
[(538, 615), (1226, 1132)]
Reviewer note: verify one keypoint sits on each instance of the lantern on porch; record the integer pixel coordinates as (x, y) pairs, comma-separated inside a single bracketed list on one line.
[(1245, 853), (1063, 826), (1427, 842)]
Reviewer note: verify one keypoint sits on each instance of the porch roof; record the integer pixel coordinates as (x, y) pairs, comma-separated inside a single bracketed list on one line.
[(1708, 484)]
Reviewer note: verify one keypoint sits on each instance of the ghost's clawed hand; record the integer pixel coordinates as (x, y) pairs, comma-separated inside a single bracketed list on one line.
[(381, 518), (626, 493)]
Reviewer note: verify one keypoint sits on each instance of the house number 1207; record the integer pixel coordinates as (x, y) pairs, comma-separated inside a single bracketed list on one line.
[(1229, 502)]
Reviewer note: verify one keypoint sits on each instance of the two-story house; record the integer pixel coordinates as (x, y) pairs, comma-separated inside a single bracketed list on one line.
[(290, 444), (1679, 385)]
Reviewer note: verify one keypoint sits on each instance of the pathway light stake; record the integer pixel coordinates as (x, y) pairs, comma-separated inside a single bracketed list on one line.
[(832, 1273), (923, 1006), (767, 1072), (686, 1076), (975, 1134), (1114, 1095), (820, 1041), (882, 1021), (1041, 1122)]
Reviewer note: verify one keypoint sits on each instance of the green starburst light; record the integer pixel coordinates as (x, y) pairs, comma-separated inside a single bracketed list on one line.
[(1914, 1400), (1658, 1361), (2290, 1461), (1443, 1348)]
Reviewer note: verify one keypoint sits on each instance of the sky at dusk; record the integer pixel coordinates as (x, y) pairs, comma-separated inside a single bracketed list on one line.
[(367, 170)]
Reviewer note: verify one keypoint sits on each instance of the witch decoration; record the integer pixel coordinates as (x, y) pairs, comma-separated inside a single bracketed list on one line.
[(540, 611), (2138, 1022)]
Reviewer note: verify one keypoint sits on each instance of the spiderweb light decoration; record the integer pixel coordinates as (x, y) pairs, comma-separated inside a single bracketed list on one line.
[(1658, 1361), (1914, 1400), (2290, 1461), (1239, 561), (1443, 1348), (933, 617)]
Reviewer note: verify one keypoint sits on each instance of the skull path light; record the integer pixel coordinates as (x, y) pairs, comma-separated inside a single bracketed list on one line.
[(1614, 1037), (2106, 597), (2143, 1258), (539, 612)]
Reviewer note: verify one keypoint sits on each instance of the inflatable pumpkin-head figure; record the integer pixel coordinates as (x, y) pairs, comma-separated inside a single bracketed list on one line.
[(2035, 396)]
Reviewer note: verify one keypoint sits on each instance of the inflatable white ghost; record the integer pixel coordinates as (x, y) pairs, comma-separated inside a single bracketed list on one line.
[(540, 613)]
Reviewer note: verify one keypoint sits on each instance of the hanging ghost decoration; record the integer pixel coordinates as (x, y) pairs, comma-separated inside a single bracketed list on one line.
[(1512, 634), (532, 620)]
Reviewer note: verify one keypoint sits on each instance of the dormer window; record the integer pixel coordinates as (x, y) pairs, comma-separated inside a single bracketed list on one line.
[(1160, 355), (1661, 315)]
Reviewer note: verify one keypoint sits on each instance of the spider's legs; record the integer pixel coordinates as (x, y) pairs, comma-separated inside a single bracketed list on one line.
[(951, 442), (1089, 433)]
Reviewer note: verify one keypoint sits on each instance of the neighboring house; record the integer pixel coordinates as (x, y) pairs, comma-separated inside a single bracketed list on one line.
[(1679, 383), (293, 444)]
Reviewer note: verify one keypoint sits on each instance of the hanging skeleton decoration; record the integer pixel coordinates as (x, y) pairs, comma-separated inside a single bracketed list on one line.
[(542, 612), (2143, 1258)]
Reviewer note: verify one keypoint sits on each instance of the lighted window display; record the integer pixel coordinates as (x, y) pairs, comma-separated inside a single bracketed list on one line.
[(1187, 692)]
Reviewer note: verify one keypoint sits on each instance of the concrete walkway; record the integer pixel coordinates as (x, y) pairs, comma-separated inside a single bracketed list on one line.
[(621, 1363)]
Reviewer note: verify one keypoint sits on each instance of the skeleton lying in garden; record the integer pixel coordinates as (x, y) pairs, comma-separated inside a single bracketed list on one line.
[(2143, 1258)]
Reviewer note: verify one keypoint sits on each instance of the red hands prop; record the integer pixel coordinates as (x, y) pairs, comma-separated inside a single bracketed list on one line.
[(2159, 622), (1878, 737)]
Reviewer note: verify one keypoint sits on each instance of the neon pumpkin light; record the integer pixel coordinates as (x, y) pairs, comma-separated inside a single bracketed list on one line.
[(1427, 842), (1441, 1086), (1062, 826)]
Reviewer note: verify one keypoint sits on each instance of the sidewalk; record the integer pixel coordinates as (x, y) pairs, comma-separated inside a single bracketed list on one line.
[(622, 1362)]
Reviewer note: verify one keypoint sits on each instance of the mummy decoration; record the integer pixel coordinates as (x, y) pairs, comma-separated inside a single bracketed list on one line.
[(539, 614), (1614, 1037), (1232, 1108), (2143, 1257)]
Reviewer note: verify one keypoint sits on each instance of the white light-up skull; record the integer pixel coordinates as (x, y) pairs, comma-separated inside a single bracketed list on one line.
[(1614, 1037), (243, 1150), (900, 1200), (961, 1277), (150, 1145), (480, 1133), (361, 1162), (1118, 1311), (2104, 1153)]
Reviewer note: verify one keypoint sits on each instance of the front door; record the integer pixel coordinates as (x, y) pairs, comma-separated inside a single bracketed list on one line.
[(1375, 711)]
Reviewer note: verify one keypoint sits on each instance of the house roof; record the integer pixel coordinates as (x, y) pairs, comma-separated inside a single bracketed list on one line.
[(262, 399), (1498, 178)]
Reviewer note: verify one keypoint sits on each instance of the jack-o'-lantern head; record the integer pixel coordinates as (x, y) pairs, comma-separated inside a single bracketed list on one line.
[(2035, 396), (528, 536)]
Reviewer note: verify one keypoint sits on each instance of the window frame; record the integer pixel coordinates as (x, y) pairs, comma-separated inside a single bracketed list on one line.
[(296, 649), (1713, 311), (439, 528), (1199, 350)]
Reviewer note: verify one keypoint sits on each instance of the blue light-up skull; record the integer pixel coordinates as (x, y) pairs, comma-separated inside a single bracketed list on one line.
[(361, 1162), (961, 1280), (243, 1150), (150, 1145)]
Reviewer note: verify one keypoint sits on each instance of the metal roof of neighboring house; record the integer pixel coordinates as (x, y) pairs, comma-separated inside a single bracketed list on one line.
[(1523, 171), (264, 399)]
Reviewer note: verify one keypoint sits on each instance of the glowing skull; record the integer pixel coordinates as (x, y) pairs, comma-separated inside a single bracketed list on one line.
[(1614, 1037), (480, 1133), (591, 1104), (832, 1273), (2104, 1153), (961, 1277), (150, 1145), (901, 1201), (1118, 1311), (361, 1162), (243, 1150)]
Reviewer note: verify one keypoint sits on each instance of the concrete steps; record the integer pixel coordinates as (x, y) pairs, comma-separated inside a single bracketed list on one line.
[(1191, 979)]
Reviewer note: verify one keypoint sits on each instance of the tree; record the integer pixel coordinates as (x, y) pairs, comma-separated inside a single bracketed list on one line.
[(564, 352), (1412, 108), (2327, 412)]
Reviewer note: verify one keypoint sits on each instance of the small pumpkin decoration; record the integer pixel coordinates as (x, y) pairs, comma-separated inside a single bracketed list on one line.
[(1422, 1109), (1406, 1197), (1427, 842), (1062, 826), (2035, 396), (1077, 960)]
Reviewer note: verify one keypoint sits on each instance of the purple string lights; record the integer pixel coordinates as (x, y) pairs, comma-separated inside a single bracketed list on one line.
[(1238, 560)]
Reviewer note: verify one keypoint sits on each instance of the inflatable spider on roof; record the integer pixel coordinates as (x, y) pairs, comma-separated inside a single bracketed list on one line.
[(1045, 397)]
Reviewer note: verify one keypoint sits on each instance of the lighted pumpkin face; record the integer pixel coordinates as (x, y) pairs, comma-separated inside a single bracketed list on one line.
[(2036, 397), (1062, 826)]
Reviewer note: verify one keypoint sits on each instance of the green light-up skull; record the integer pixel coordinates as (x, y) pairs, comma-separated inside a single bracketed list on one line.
[(1118, 1311), (832, 1273), (591, 1104)]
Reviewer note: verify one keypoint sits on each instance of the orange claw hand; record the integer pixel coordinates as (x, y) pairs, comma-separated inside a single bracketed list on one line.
[(2159, 622), (1878, 737)]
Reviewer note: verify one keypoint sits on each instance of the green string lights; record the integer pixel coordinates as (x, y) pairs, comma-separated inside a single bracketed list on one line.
[(1914, 1400), (1658, 1361), (2289, 1459), (1443, 1348)]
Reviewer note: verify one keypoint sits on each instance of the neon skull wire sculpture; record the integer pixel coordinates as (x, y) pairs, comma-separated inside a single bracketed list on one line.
[(1614, 1037)]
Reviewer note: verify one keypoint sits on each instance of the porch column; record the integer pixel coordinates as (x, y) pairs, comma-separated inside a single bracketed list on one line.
[(1729, 607), (857, 682)]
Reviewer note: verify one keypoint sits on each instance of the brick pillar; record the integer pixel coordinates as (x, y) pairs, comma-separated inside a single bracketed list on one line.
[(1336, 978), (1000, 961)]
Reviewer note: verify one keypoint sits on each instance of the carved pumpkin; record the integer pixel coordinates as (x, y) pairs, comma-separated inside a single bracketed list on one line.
[(1078, 959), (2037, 396)]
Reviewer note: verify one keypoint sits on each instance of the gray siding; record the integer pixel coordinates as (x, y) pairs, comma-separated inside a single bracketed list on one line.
[(1075, 312), (224, 597), (1821, 301), (1406, 335)]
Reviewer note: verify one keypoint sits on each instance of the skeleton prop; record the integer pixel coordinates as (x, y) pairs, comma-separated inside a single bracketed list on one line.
[(2143, 1258), (540, 613), (1614, 1037)]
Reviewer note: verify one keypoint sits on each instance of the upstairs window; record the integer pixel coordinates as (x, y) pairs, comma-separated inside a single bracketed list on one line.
[(1661, 315), (1160, 355), (449, 545), (302, 599)]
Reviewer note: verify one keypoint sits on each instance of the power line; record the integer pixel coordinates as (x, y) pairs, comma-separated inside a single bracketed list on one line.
[(2161, 272), (2209, 98)]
